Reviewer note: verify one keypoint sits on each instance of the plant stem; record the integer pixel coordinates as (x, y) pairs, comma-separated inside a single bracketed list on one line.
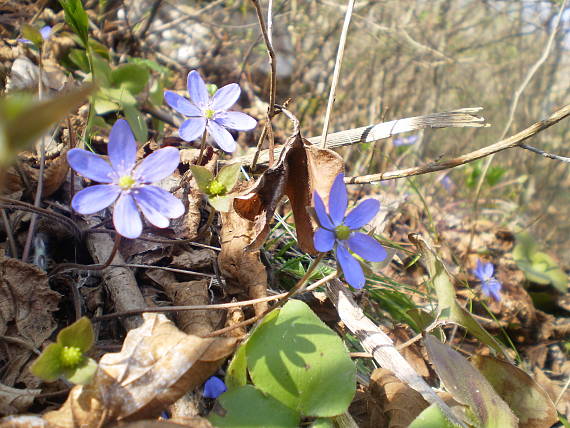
[(202, 147)]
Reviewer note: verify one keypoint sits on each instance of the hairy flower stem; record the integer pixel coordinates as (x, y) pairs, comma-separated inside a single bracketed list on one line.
[(202, 147), (65, 266)]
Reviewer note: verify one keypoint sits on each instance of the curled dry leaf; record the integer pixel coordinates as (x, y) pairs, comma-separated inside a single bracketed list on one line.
[(399, 403), (26, 306), (157, 364), (186, 294), (54, 174), (302, 169), (529, 402), (241, 268), (14, 400)]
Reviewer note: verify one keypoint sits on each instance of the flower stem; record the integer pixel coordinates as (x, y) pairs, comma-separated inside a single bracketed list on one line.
[(202, 147)]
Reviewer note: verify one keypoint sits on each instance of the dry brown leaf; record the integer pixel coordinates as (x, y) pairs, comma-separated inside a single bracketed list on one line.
[(193, 259), (14, 400), (553, 389), (400, 403), (157, 364), (54, 174), (26, 306), (241, 268), (302, 168), (414, 353), (23, 421)]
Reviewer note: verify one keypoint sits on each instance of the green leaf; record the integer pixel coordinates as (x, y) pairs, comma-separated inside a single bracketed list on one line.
[(236, 374), (228, 176), (137, 121), (76, 18), (469, 386), (33, 35), (79, 58), (48, 365), (529, 402), (156, 93), (131, 77), (16, 110), (432, 417), (322, 423), (100, 49), (295, 358), (221, 203), (248, 407), (538, 267), (448, 306), (101, 70), (78, 334), (104, 105), (83, 374), (202, 176)]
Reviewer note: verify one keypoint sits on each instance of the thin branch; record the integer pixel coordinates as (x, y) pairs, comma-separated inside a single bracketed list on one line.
[(545, 154), (273, 79), (336, 72), (9, 234), (460, 118), (219, 306), (513, 141)]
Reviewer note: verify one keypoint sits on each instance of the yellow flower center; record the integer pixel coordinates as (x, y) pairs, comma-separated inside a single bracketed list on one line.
[(209, 113), (216, 188), (71, 356), (342, 232), (126, 182)]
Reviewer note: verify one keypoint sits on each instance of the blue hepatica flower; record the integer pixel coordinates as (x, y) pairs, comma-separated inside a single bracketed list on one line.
[(127, 183), (45, 32), (405, 141), (210, 113), (340, 232), (489, 285), (214, 387)]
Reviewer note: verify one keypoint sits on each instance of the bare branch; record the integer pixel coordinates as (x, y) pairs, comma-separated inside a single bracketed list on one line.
[(513, 141)]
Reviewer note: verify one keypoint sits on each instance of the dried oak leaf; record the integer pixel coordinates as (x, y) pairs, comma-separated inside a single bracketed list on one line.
[(157, 364), (400, 403), (241, 268), (26, 306), (302, 168), (54, 174), (14, 400)]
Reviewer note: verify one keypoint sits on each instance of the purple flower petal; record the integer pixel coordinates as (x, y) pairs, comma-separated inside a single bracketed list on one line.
[(197, 90), (90, 165), (362, 214), (221, 136), (367, 247), (159, 200), (321, 211), (26, 41), (225, 97), (488, 270), (122, 147), (324, 240), (157, 165), (45, 32), (214, 387), (192, 128), (181, 104), (126, 217), (95, 198), (338, 200), (235, 120), (492, 288), (350, 267)]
